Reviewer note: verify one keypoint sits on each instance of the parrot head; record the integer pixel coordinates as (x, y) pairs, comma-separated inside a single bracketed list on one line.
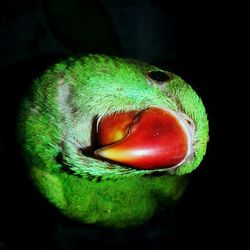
[(113, 128)]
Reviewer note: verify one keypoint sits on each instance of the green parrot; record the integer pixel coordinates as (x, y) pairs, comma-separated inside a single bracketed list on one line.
[(109, 140)]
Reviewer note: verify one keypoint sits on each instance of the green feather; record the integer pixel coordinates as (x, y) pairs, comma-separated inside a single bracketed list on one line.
[(56, 122)]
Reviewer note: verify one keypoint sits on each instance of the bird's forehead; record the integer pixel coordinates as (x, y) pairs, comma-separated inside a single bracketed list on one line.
[(120, 81), (121, 71)]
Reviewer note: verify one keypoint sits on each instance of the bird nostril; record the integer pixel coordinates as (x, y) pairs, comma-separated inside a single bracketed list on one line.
[(189, 122)]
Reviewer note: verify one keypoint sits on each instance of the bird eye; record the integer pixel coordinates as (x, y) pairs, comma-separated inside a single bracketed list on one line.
[(159, 77)]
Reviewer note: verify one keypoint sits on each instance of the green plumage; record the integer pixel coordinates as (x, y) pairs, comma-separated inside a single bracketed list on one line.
[(56, 126)]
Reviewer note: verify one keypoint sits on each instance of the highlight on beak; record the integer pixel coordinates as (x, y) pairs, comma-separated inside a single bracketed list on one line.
[(153, 138)]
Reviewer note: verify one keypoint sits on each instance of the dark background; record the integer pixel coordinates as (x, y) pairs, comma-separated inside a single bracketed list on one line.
[(198, 40)]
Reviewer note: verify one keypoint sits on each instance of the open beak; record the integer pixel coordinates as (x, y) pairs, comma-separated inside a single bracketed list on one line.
[(149, 139)]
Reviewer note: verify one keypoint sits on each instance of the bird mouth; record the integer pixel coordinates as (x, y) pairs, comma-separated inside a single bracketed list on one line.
[(153, 138)]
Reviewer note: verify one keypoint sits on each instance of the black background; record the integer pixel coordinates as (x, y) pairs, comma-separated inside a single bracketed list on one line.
[(198, 41)]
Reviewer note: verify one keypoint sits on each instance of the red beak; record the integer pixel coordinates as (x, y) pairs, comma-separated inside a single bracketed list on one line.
[(150, 139)]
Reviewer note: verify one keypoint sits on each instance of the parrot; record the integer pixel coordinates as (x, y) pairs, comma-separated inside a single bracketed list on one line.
[(108, 141)]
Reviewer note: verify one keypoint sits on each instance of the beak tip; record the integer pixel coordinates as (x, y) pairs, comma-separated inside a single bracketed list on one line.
[(98, 152), (102, 153)]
